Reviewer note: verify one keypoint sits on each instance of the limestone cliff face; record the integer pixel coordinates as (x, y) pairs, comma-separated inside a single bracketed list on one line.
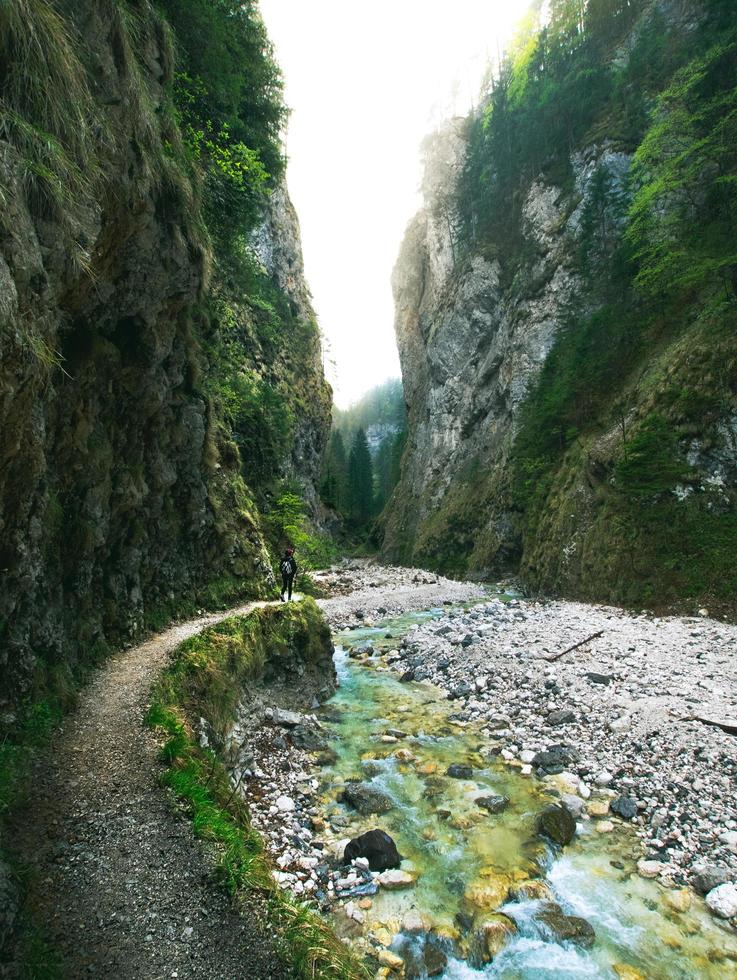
[(120, 493), (511, 464), (471, 346)]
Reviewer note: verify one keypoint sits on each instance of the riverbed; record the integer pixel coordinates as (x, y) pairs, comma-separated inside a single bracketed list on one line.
[(470, 869)]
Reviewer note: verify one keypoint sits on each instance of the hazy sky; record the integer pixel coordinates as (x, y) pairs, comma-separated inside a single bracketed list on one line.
[(365, 83)]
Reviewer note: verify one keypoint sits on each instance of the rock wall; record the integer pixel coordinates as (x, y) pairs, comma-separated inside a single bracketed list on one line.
[(121, 498), (481, 321)]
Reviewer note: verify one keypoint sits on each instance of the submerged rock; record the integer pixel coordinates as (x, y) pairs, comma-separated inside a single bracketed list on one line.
[(494, 804), (377, 847), (489, 939), (557, 823), (366, 799), (458, 771), (422, 957), (564, 927)]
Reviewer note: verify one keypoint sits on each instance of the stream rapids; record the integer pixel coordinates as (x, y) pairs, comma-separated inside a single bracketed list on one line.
[(480, 889)]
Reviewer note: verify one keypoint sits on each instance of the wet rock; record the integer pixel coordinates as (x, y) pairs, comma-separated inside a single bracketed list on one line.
[(458, 771), (395, 878), (494, 933), (391, 960), (678, 900), (533, 889), (377, 847), (566, 928), (573, 803), (624, 807), (494, 804), (366, 799), (562, 717), (408, 675), (709, 877), (487, 893), (722, 900), (649, 869), (557, 823), (308, 738), (423, 957), (555, 759)]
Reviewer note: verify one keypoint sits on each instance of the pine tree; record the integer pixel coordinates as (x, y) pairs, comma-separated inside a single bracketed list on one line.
[(360, 480), (334, 487)]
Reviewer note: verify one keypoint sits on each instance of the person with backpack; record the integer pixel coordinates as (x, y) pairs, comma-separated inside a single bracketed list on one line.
[(288, 571)]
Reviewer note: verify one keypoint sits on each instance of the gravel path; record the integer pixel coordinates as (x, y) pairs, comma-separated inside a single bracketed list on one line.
[(123, 887)]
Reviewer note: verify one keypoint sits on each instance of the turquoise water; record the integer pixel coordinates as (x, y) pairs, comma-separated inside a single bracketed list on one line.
[(465, 860)]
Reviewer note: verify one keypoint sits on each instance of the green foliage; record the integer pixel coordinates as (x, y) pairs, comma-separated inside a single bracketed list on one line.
[(288, 524), (383, 405), (683, 219), (207, 676), (650, 463), (334, 482), (360, 480), (228, 98), (345, 490)]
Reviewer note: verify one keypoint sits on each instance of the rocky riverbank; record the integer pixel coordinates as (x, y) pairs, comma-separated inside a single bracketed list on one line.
[(618, 713), (608, 726)]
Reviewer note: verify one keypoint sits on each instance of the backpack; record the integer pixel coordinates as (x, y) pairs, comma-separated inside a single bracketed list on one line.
[(286, 566)]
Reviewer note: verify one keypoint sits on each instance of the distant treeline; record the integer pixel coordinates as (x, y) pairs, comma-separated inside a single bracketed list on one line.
[(363, 460)]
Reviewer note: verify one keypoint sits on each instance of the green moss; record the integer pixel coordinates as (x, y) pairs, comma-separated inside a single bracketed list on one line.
[(206, 677)]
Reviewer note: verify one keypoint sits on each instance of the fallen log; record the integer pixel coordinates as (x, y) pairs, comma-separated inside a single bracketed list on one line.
[(728, 725), (557, 656)]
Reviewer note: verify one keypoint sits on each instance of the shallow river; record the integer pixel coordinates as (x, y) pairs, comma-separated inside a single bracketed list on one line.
[(466, 860)]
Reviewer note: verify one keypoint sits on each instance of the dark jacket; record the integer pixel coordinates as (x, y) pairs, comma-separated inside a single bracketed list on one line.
[(288, 566)]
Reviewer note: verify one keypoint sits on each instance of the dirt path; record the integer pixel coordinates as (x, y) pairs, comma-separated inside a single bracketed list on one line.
[(123, 886)]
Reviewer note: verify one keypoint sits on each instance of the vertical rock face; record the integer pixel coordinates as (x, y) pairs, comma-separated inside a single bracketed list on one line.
[(564, 421), (118, 494), (470, 348)]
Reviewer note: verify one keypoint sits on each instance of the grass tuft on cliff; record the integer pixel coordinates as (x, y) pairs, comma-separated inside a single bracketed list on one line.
[(206, 677)]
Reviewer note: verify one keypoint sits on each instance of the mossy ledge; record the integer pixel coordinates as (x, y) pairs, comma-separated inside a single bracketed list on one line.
[(207, 677)]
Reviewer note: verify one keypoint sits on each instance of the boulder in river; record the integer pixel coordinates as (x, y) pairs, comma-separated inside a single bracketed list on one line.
[(708, 877), (423, 957), (562, 927), (489, 939), (722, 900), (494, 804), (377, 847), (458, 771), (557, 823), (366, 799)]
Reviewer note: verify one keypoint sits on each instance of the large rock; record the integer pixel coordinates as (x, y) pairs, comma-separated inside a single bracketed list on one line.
[(557, 823), (555, 759), (722, 900), (562, 927), (377, 847), (458, 771), (708, 877), (366, 799), (494, 804), (624, 807), (423, 957)]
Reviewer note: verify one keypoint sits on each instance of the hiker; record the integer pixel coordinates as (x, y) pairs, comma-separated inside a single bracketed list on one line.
[(288, 571)]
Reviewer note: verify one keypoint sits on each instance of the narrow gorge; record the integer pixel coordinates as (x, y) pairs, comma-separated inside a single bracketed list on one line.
[(438, 680)]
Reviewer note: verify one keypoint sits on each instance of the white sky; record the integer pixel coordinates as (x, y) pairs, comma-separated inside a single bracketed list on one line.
[(366, 81)]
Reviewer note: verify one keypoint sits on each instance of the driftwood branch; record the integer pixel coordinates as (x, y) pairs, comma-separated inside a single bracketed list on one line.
[(729, 725), (557, 656)]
